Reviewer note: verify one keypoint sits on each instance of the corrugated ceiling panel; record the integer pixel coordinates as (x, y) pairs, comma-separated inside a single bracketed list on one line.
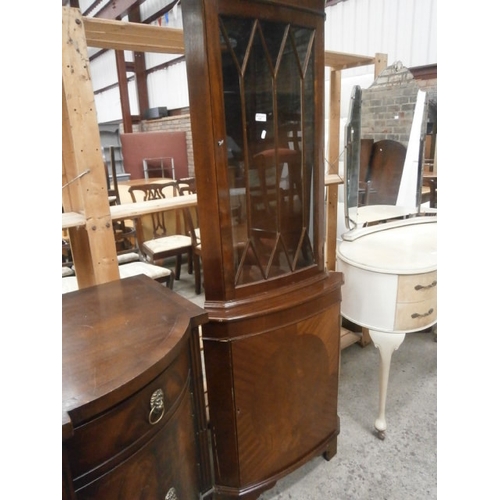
[(163, 93), (403, 29)]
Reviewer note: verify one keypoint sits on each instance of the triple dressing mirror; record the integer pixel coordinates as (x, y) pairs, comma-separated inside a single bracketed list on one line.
[(383, 173)]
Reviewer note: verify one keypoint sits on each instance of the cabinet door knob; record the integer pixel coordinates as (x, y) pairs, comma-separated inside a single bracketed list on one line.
[(157, 406)]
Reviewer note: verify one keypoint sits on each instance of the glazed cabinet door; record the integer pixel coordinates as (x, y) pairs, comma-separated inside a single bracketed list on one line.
[(260, 169)]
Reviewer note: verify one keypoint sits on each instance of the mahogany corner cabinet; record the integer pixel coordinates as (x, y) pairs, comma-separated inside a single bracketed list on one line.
[(135, 419), (271, 344)]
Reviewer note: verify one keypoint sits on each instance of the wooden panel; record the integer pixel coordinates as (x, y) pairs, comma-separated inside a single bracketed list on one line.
[(283, 394)]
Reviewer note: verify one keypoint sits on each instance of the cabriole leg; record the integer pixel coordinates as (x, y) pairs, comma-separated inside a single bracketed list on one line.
[(386, 343)]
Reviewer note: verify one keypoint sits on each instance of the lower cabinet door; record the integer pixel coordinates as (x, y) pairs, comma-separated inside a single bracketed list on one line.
[(164, 468)]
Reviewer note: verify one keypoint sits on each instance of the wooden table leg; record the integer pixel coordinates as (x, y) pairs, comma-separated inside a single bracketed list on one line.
[(365, 337)]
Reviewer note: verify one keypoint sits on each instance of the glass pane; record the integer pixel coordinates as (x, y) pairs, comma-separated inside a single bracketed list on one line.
[(269, 110)]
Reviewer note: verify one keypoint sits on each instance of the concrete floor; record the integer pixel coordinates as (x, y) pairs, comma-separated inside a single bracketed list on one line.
[(404, 465)]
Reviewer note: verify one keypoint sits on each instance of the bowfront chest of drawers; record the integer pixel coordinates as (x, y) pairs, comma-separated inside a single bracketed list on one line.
[(133, 417)]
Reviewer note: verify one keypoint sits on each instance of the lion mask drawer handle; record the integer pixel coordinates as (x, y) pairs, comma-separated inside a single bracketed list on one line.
[(425, 287), (157, 406)]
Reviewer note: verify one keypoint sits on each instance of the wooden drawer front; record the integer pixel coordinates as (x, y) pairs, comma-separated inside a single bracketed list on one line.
[(415, 315), (166, 467), (417, 287), (100, 444)]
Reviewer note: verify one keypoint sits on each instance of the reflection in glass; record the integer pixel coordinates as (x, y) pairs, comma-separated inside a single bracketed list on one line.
[(352, 161), (269, 110), (383, 176)]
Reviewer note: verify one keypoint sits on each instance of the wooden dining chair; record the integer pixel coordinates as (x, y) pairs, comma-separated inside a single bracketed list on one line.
[(169, 237)]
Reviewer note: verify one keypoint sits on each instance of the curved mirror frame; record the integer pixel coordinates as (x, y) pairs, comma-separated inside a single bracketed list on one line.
[(268, 79), (352, 152), (366, 202)]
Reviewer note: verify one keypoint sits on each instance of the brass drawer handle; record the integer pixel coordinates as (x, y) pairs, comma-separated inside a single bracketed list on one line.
[(417, 315), (156, 404), (426, 287)]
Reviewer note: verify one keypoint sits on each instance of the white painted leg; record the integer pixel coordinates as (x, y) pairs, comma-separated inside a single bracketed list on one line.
[(386, 343)]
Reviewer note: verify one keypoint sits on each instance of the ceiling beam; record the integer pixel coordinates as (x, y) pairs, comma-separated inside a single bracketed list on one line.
[(341, 60), (121, 35)]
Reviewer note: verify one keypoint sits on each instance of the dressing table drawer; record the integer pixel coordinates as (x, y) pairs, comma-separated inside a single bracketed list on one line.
[(417, 287), (412, 316), (416, 303)]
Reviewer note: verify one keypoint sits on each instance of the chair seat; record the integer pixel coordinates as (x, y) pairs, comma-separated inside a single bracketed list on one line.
[(67, 271), (125, 258), (69, 284), (158, 273), (135, 268), (166, 244)]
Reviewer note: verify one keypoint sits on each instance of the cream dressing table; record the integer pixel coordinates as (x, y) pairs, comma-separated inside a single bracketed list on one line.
[(390, 286), (389, 253)]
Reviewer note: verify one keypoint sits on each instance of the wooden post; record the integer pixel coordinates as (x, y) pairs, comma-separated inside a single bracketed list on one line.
[(333, 168), (121, 69), (380, 64), (94, 251)]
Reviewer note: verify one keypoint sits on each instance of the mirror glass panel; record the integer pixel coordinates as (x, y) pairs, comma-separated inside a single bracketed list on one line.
[(383, 169), (268, 83), (352, 158)]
